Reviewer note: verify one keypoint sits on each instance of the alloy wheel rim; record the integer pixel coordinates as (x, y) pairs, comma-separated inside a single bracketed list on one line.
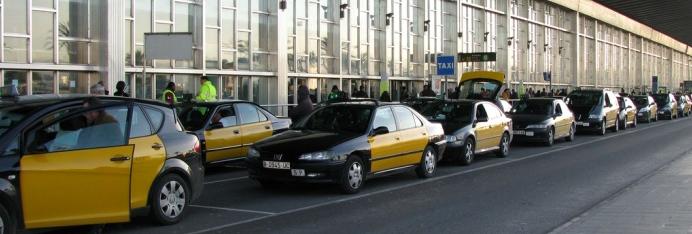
[(355, 176), (505, 144), (571, 131), (172, 199), (469, 151), (429, 161), (603, 127), (550, 136)]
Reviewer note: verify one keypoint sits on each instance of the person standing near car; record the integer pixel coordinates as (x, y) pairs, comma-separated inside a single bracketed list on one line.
[(207, 91), (335, 93), (169, 94), (304, 104), (120, 87)]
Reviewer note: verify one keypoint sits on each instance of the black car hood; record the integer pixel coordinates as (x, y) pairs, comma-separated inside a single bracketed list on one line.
[(582, 111), (451, 127), (522, 120), (297, 142)]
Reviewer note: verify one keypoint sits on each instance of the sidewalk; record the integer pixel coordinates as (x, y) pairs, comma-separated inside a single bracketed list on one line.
[(661, 203)]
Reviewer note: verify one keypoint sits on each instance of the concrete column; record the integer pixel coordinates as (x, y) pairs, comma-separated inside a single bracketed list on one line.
[(113, 61), (282, 60), (574, 53)]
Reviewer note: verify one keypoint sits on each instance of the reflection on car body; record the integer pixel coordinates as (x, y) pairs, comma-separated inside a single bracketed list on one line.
[(542, 120), (471, 127), (228, 128), (346, 143), (145, 161)]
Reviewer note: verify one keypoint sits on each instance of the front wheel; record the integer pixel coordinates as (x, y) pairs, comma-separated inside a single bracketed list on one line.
[(467, 154), (570, 137), (353, 176), (634, 122), (7, 225), (616, 127), (427, 164), (550, 137), (656, 118), (624, 123), (603, 128), (170, 199), (504, 146)]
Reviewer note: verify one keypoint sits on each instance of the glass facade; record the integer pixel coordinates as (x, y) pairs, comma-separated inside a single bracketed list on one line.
[(252, 50)]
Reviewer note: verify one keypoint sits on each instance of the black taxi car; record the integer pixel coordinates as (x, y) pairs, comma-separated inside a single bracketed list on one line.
[(667, 105), (542, 120), (56, 170), (471, 127), (226, 129), (594, 109), (648, 108), (346, 143)]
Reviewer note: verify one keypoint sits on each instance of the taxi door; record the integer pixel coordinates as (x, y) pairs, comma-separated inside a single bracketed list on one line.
[(385, 147), (149, 155), (496, 124), (414, 136), (223, 142), (483, 130), (563, 121), (77, 185), (254, 126), (611, 109)]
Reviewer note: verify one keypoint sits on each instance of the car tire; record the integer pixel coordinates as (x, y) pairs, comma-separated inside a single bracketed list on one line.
[(570, 137), (648, 119), (270, 184), (616, 127), (353, 175), (550, 137), (428, 163), (623, 124), (504, 146), (603, 128), (467, 153), (656, 118), (170, 199), (7, 224), (634, 122)]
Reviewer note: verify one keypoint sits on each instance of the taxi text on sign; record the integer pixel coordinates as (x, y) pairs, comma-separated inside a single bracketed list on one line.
[(446, 66)]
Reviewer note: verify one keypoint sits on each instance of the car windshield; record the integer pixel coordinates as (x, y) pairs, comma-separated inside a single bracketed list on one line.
[(480, 89), (11, 115), (661, 100), (344, 118), (583, 98), (192, 117), (641, 101), (450, 112), (532, 107)]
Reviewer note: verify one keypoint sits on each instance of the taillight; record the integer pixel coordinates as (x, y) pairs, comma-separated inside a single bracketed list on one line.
[(197, 148)]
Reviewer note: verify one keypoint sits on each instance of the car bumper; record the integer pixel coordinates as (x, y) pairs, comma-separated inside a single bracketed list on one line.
[(530, 135), (643, 116), (315, 172), (664, 113), (453, 149), (588, 125)]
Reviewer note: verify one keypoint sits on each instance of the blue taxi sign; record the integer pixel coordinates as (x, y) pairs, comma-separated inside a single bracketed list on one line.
[(446, 66)]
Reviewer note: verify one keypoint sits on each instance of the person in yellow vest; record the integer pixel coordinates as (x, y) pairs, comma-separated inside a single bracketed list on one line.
[(169, 94), (207, 91)]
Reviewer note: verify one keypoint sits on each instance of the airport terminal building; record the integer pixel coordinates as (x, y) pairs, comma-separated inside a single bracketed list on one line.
[(261, 50)]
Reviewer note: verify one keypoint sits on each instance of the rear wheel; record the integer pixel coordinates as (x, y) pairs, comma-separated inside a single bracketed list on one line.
[(353, 176), (170, 199), (467, 153), (428, 162), (550, 137), (504, 146), (570, 137)]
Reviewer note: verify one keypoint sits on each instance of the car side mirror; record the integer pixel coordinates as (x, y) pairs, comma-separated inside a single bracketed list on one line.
[(38, 149), (482, 119), (215, 126), (379, 131)]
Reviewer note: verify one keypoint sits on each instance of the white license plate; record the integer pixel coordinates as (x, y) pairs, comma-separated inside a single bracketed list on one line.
[(529, 133), (585, 124), (276, 165), (640, 114), (661, 112), (580, 123), (297, 172), (519, 132)]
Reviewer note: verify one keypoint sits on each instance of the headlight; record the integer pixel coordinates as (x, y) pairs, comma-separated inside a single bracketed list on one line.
[(450, 138), (252, 152), (644, 110), (322, 155), (537, 126), (592, 116)]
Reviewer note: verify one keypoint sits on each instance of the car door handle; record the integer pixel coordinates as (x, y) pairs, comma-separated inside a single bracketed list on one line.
[(424, 133), (120, 158), (236, 131), (396, 138), (157, 146), (267, 127)]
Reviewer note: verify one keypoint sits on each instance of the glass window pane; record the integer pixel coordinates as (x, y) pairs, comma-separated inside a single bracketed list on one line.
[(212, 12), (142, 87), (42, 43), (313, 46), (290, 54), (128, 8), (260, 40), (161, 83), (228, 89), (243, 51), (42, 82), (163, 10), (243, 89), (227, 3), (187, 84), (15, 49), (260, 62), (73, 18), (212, 48), (38, 3), (127, 39), (248, 113), (385, 118), (260, 5), (17, 11), (142, 19), (302, 64), (17, 78), (243, 15), (73, 82), (406, 119), (264, 90), (140, 126), (228, 60), (228, 29), (156, 117), (73, 52), (327, 65)]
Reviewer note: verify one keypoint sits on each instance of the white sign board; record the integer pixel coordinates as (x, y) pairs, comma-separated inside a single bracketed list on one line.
[(437, 84), (168, 46)]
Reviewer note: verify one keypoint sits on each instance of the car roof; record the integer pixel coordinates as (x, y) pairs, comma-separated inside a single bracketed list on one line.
[(212, 103), (49, 99)]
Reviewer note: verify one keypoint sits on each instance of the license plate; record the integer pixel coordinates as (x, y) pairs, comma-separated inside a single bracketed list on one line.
[(276, 165), (585, 124), (519, 132), (661, 112), (529, 133), (640, 114), (297, 172), (580, 123)]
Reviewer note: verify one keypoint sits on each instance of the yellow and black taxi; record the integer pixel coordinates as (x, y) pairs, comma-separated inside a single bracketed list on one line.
[(68, 160), (482, 85), (594, 109), (628, 112), (684, 105), (542, 120), (346, 143), (667, 105), (647, 108), (226, 129), (471, 127)]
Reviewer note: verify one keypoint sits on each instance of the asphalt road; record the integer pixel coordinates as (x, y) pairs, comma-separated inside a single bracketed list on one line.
[(534, 190)]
